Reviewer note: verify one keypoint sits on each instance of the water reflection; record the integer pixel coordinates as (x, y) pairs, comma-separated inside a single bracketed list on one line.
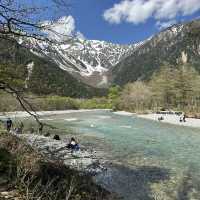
[(133, 184)]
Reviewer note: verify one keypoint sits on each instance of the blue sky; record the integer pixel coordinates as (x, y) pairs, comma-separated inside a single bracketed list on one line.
[(88, 15), (126, 21), (89, 20)]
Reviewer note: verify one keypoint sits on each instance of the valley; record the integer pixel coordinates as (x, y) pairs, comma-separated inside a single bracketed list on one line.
[(108, 97)]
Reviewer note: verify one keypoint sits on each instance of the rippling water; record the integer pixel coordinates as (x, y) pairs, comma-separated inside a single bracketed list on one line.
[(146, 159)]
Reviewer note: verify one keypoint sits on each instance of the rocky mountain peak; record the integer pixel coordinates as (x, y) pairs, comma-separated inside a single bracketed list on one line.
[(98, 63)]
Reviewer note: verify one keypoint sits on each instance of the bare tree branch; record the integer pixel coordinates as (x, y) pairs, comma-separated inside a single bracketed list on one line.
[(19, 21), (22, 21), (23, 102)]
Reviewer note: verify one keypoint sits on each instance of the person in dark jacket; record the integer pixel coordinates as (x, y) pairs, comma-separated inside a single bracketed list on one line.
[(73, 144), (9, 124), (56, 137), (184, 117)]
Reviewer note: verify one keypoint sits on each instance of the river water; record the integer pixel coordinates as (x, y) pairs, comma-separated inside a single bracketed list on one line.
[(145, 159)]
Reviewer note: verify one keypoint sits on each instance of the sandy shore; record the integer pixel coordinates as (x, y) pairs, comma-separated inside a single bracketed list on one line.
[(43, 113), (173, 119), (124, 113)]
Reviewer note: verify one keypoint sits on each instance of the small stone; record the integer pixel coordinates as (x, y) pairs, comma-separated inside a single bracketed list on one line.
[(4, 193)]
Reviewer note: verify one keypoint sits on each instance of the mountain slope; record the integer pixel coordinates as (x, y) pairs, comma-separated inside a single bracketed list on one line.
[(87, 60), (44, 76), (100, 64), (69, 69), (176, 45)]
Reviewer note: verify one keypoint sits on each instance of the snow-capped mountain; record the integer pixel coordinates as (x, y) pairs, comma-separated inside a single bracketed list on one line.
[(98, 56), (99, 63), (87, 60)]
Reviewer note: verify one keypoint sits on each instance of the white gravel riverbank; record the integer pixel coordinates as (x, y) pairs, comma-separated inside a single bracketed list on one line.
[(172, 119), (168, 118), (82, 160), (44, 113)]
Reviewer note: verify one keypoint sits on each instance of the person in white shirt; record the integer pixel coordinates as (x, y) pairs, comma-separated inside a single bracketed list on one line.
[(73, 144)]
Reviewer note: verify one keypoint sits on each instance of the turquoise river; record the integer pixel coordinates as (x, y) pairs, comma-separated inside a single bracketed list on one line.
[(145, 159)]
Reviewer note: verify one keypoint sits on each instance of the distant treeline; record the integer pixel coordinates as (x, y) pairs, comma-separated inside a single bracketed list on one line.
[(8, 103), (170, 87)]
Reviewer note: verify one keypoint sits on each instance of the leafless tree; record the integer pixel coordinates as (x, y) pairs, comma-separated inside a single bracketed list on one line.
[(21, 19), (25, 20)]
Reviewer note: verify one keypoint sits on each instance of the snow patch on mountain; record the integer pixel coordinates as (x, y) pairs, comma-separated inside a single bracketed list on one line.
[(104, 81), (30, 70), (88, 59)]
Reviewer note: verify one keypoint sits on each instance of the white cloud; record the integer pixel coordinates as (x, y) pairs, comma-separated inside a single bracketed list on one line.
[(139, 11), (131, 11), (61, 29)]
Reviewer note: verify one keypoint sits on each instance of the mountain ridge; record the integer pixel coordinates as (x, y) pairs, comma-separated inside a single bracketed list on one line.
[(86, 60), (101, 64), (91, 64), (178, 44), (42, 76)]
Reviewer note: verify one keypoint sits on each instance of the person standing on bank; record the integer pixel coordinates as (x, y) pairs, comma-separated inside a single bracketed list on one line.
[(9, 124), (184, 117)]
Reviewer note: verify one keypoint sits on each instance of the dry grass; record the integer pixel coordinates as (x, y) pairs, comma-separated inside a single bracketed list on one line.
[(38, 178)]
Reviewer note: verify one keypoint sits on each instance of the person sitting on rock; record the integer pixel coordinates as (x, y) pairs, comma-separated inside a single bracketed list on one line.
[(56, 137), (73, 145), (160, 118)]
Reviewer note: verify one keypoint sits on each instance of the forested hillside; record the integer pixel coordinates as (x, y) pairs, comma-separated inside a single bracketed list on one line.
[(176, 45), (43, 77), (169, 88)]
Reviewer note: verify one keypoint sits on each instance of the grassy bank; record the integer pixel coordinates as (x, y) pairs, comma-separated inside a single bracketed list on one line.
[(31, 176), (8, 103)]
